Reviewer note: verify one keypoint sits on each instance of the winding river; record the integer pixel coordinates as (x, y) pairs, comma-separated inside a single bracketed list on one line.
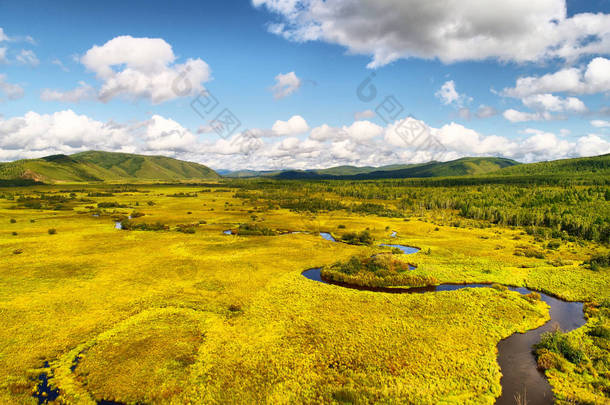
[(520, 374)]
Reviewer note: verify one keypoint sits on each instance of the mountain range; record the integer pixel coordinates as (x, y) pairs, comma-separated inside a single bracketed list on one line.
[(96, 166)]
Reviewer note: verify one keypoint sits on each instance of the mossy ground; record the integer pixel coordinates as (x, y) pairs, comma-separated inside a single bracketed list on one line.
[(207, 317)]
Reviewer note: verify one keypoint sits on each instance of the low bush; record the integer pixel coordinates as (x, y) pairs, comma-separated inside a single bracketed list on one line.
[(254, 230), (558, 342), (127, 225), (598, 262), (362, 238), (376, 271), (52, 231)]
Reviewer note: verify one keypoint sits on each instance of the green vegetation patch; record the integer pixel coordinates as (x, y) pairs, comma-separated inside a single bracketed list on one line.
[(378, 271)]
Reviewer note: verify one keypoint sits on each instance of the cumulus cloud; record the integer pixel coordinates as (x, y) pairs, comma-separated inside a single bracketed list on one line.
[(285, 85), (549, 102), (595, 78), (296, 125), (520, 30), (3, 58), (485, 111), (10, 90), (600, 123), (164, 134), (360, 143), (83, 92), (60, 64), (449, 95), (28, 57), (3, 36), (513, 115), (36, 134), (362, 115), (143, 68)]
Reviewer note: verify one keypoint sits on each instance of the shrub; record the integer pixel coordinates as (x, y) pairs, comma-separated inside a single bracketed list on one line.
[(110, 205), (137, 214), (151, 203), (32, 221), (127, 225), (14, 233), (598, 261), (553, 245), (558, 342), (52, 231), (600, 332), (548, 360), (13, 220), (341, 226), (190, 229), (376, 271), (362, 238), (532, 297), (17, 251), (254, 230)]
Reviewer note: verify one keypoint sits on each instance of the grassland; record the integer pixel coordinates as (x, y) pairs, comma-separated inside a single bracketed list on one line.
[(164, 316)]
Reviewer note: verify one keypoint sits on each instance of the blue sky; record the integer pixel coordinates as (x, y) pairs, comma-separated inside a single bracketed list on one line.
[(243, 48)]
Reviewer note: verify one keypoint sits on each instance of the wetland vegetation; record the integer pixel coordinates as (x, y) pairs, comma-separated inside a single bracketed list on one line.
[(184, 313)]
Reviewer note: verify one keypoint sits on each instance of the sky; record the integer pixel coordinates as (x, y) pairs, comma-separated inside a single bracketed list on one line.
[(276, 84)]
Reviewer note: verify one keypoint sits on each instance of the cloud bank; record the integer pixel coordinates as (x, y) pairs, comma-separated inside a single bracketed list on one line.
[(289, 144)]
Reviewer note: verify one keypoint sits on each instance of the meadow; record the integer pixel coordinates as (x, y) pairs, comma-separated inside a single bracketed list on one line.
[(170, 309)]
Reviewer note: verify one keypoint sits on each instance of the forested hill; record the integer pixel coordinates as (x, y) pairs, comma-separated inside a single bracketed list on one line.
[(589, 165), (459, 167), (104, 166)]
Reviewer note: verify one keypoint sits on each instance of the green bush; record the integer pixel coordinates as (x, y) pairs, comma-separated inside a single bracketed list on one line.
[(52, 231), (377, 271), (559, 343), (362, 238), (13, 220), (254, 230), (599, 261), (600, 332)]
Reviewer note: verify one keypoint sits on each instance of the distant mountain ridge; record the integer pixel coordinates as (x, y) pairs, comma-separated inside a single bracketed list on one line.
[(459, 167), (104, 166)]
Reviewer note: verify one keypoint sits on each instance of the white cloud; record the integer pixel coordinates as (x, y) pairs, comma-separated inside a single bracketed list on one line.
[(10, 90), (360, 143), (485, 111), (362, 115), (594, 79), (285, 85), (591, 145), (600, 123), (362, 131), (60, 64), (143, 68), (549, 102), (449, 95), (3, 55), (3, 36), (164, 134), (83, 92), (520, 116), (519, 30), (28, 57), (60, 132), (294, 126)]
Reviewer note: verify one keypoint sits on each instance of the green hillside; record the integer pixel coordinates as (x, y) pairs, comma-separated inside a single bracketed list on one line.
[(104, 166), (459, 167), (589, 165)]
